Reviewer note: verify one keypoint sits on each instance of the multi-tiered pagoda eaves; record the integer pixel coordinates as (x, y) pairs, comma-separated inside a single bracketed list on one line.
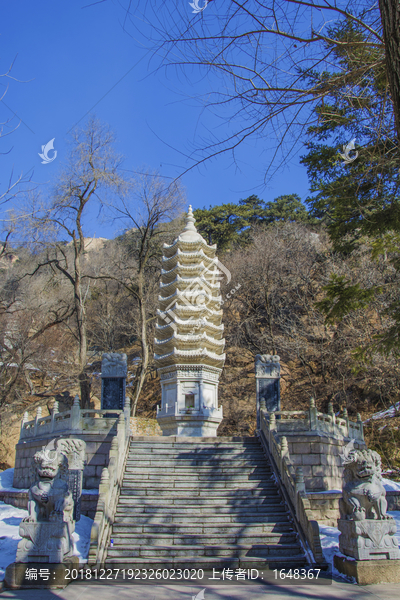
[(189, 347)]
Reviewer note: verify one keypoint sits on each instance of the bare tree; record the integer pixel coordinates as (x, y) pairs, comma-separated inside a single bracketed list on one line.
[(93, 169), (28, 311), (270, 64), (13, 186), (149, 210)]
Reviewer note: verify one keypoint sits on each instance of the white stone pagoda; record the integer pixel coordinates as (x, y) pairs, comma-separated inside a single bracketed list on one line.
[(189, 347)]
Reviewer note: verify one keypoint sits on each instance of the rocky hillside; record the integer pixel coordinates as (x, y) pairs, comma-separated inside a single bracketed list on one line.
[(270, 306)]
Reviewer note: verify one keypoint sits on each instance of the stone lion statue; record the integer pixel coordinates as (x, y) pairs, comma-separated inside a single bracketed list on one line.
[(364, 496), (49, 495), (47, 530)]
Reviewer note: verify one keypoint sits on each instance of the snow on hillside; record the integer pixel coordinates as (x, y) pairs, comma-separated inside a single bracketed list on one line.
[(382, 414)]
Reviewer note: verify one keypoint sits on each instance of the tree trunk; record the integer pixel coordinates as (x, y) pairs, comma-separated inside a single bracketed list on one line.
[(85, 387), (390, 15), (145, 349), (84, 381)]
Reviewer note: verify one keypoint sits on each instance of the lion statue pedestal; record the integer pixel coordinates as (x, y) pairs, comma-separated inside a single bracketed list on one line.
[(369, 540)]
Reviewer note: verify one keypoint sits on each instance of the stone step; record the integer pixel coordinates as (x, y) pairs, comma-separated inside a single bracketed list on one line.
[(162, 441), (129, 491), (139, 539), (197, 485), (204, 453), (270, 508), (213, 466), (184, 470), (201, 528), (201, 503), (208, 563), (188, 478), (199, 491), (185, 519), (217, 501), (188, 445), (261, 551)]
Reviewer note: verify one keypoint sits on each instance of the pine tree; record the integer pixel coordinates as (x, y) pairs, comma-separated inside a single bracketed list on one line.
[(358, 198)]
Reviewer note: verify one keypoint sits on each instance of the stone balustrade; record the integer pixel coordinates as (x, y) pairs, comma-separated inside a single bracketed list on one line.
[(292, 484), (315, 441), (109, 490), (75, 420), (299, 421), (95, 427)]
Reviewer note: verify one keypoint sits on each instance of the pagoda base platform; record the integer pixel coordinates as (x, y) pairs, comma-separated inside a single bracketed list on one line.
[(189, 426)]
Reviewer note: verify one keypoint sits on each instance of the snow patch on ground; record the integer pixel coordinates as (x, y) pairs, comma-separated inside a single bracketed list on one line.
[(6, 482), (330, 543), (391, 486), (330, 546), (10, 518)]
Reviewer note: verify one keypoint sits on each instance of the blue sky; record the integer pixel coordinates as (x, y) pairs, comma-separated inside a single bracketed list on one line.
[(72, 59)]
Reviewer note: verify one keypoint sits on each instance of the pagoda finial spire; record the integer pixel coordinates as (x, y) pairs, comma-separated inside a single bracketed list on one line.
[(190, 232), (190, 220)]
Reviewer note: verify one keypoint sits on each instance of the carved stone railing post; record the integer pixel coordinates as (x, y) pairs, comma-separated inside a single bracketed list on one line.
[(53, 415), (331, 413), (272, 422), (300, 484), (25, 419), (104, 482), (38, 416), (284, 447), (313, 415), (360, 424), (75, 414), (267, 369), (114, 449), (127, 414)]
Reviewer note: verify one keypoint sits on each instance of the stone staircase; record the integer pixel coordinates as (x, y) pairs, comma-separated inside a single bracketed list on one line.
[(204, 503)]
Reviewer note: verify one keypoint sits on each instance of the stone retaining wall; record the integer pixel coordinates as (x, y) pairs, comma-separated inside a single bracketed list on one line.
[(97, 452), (318, 455)]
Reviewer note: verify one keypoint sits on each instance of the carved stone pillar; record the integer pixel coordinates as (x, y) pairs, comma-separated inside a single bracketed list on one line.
[(268, 383), (113, 380)]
